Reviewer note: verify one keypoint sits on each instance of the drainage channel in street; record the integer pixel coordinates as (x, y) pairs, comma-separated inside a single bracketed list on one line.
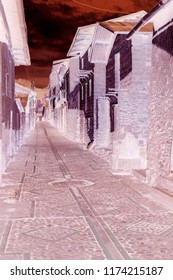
[(62, 166)]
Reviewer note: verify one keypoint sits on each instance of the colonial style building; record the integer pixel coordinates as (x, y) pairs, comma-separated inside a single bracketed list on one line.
[(13, 52), (23, 114), (58, 91), (71, 79), (99, 59), (119, 92)]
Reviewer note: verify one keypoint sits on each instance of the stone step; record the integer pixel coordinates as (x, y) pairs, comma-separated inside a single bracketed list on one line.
[(167, 183), (140, 174)]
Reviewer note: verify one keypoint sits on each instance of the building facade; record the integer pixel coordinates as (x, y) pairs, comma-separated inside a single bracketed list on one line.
[(13, 52), (120, 92), (24, 114), (160, 129), (58, 91)]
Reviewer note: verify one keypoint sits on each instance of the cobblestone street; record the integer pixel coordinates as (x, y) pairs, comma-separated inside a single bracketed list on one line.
[(60, 201)]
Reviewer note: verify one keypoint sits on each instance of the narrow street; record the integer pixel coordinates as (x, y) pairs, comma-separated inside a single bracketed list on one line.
[(60, 201)]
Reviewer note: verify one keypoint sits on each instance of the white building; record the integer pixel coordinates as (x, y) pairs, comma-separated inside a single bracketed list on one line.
[(13, 52), (120, 92), (58, 89), (24, 115)]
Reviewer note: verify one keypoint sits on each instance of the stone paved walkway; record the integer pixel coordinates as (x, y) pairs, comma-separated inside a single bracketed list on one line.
[(59, 201)]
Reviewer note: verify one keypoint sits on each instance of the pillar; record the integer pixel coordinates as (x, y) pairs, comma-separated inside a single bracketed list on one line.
[(99, 92), (129, 147)]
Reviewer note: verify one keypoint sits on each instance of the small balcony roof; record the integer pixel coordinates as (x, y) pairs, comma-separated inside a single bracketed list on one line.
[(82, 40), (14, 26), (119, 27)]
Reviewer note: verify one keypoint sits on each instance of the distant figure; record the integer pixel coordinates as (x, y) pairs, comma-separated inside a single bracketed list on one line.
[(39, 113), (39, 116), (43, 112)]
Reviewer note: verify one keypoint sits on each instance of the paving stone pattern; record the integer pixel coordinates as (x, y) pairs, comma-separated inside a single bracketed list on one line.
[(60, 201)]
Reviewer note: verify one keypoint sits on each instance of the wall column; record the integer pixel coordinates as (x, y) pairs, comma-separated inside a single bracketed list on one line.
[(73, 111), (129, 147), (99, 110)]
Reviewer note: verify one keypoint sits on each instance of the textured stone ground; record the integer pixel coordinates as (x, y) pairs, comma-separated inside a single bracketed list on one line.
[(59, 201)]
